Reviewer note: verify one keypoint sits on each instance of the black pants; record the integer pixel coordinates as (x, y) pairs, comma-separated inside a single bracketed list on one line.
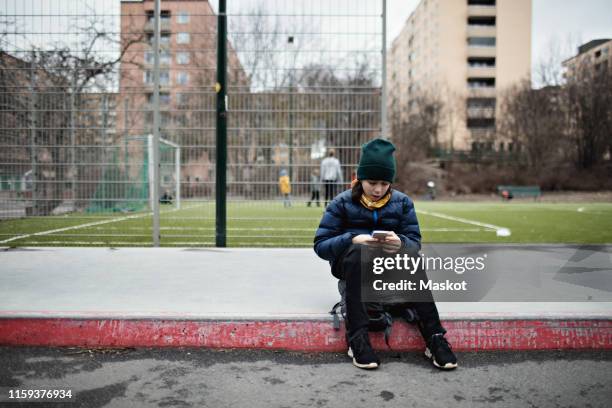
[(313, 197), (348, 268), (330, 190)]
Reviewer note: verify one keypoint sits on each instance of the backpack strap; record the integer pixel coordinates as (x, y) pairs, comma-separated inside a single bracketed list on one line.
[(389, 322), (334, 313)]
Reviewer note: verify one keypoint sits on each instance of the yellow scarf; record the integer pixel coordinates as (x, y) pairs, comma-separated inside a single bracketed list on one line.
[(374, 205)]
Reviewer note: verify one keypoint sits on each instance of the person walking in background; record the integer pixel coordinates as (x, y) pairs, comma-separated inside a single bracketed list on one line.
[(315, 188), (284, 184), (331, 174)]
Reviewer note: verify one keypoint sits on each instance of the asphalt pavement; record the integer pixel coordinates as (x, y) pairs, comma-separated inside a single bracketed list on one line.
[(194, 377)]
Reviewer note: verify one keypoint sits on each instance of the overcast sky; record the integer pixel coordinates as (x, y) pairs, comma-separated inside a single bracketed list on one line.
[(561, 21)]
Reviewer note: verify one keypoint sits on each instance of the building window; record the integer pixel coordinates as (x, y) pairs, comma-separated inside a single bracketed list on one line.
[(164, 77), (481, 62), (164, 98), (182, 78), (182, 17), (182, 58), (164, 39), (164, 57), (481, 123), (164, 16), (165, 118), (481, 2), (481, 82), (182, 38), (481, 21), (481, 102), (181, 98), (481, 41)]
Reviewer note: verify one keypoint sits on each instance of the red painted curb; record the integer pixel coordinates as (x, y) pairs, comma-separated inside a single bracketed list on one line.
[(466, 335)]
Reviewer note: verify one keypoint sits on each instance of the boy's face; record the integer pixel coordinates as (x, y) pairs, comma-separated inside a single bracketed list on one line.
[(375, 189)]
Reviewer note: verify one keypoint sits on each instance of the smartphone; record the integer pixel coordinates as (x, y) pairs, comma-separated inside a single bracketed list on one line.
[(380, 234)]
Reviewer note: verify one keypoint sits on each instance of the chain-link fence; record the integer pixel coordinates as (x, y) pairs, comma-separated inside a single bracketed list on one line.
[(78, 107)]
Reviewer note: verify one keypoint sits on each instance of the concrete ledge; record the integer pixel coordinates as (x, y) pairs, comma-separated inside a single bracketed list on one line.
[(250, 298), (300, 335)]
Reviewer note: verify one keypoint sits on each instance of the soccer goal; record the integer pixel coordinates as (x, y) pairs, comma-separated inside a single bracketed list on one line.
[(127, 182), (169, 172)]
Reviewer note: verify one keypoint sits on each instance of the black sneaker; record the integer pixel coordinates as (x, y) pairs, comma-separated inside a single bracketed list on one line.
[(440, 353), (360, 350)]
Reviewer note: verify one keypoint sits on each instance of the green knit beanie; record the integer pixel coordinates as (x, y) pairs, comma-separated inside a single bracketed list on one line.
[(377, 161)]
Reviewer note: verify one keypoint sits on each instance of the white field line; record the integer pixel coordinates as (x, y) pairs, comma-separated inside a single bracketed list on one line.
[(55, 232), (583, 210), (268, 229), (150, 244), (89, 224), (48, 233), (495, 228)]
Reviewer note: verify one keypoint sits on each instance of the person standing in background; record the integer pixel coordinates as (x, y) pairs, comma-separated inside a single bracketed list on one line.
[(331, 174), (315, 188), (284, 184)]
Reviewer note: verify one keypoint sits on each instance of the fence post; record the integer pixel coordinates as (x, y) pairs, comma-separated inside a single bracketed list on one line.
[(383, 98), (156, 125), (221, 128), (33, 125)]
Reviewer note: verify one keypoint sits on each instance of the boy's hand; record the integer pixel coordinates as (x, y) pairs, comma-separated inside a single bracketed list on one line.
[(365, 239), (392, 243)]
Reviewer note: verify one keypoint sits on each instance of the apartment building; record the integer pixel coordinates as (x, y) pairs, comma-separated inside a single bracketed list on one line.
[(465, 53), (188, 52), (595, 55)]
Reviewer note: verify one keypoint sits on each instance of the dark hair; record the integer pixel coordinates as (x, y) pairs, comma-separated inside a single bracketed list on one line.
[(357, 191)]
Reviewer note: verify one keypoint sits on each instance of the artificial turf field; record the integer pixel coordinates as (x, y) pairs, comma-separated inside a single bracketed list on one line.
[(269, 224)]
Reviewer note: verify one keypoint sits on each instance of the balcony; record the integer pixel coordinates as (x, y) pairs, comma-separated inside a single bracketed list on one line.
[(480, 51), (481, 133), (148, 87), (484, 92), (474, 30), (164, 26), (481, 72), (482, 11), (164, 61), (481, 112)]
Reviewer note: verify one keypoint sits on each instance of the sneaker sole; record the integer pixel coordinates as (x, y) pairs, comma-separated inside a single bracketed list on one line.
[(369, 366), (447, 366)]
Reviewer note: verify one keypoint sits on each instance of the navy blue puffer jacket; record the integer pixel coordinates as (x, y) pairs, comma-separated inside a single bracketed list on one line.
[(344, 219)]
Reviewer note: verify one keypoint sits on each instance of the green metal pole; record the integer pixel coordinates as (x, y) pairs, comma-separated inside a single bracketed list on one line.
[(220, 87), (154, 159)]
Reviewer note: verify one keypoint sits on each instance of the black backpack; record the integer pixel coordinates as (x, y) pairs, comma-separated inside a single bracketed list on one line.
[(380, 316)]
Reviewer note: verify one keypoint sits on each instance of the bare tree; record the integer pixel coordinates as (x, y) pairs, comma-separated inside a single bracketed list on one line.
[(418, 132), (534, 119), (549, 70), (589, 113), (48, 85)]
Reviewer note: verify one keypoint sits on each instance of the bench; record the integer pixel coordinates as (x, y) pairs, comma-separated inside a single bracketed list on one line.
[(509, 192)]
